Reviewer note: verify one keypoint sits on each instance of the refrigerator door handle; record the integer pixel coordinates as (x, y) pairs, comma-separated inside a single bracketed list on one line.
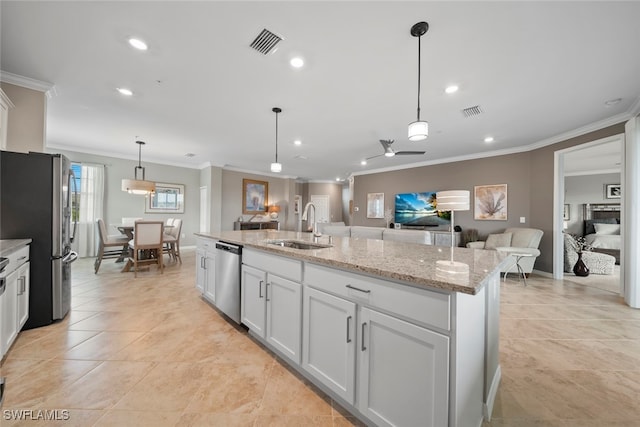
[(70, 257), (72, 178)]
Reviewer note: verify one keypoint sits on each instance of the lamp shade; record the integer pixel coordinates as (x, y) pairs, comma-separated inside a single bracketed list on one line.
[(453, 200), (418, 130), (274, 208), (138, 186), (276, 167)]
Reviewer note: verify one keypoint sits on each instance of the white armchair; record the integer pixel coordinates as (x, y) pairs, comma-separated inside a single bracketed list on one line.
[(514, 241)]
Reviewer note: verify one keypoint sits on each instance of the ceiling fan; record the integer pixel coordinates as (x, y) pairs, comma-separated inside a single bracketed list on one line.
[(389, 152)]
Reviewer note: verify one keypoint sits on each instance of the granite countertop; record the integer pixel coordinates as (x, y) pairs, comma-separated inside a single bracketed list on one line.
[(9, 245), (415, 264)]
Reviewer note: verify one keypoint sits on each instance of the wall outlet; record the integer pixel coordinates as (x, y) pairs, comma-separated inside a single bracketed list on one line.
[(522, 220)]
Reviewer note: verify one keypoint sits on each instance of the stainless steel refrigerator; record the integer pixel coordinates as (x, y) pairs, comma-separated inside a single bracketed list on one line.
[(36, 194)]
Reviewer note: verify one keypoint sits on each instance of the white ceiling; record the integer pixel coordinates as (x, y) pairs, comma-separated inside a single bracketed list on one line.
[(538, 70)]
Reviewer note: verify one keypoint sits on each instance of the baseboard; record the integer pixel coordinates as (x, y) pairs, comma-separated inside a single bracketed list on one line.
[(543, 273)]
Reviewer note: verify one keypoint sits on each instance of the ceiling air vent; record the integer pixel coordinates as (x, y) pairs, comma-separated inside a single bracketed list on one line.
[(266, 42), (472, 111)]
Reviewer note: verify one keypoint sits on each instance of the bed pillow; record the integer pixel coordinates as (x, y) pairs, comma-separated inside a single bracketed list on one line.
[(590, 229), (610, 229), (497, 241)]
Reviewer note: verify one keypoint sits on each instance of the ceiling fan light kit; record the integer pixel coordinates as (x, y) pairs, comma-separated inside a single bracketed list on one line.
[(138, 186), (419, 129), (275, 166)]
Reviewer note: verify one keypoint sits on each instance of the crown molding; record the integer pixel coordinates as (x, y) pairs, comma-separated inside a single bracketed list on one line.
[(274, 175), (29, 83)]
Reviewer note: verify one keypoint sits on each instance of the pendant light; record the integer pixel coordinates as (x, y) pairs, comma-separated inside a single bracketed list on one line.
[(276, 167), (419, 129), (136, 185)]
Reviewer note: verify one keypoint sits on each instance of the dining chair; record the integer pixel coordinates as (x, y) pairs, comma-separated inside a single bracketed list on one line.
[(172, 240), (109, 241), (146, 245)]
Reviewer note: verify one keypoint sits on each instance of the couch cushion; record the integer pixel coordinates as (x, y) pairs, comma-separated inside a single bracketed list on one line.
[(412, 236), (336, 230), (367, 232), (498, 240)]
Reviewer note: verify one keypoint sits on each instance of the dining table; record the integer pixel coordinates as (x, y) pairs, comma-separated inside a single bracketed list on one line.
[(127, 229)]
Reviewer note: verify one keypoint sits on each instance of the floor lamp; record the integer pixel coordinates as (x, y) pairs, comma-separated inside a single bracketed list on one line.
[(453, 200)]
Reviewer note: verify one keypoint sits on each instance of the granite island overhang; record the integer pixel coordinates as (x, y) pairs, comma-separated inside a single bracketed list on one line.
[(450, 295)]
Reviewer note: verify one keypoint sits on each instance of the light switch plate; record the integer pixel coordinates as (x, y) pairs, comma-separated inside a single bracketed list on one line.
[(522, 220)]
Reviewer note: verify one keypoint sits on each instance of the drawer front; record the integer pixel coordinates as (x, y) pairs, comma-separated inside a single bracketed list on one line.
[(423, 306), (284, 267), (205, 244), (17, 258)]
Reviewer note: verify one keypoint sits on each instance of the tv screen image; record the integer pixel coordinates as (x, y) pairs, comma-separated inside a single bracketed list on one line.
[(419, 209)]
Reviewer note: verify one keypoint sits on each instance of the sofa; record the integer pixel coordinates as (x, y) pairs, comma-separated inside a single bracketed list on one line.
[(514, 240), (597, 263), (379, 233)]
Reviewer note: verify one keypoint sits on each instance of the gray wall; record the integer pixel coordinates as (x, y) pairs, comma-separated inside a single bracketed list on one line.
[(119, 204), (579, 190), (334, 191), (26, 122), (530, 183)]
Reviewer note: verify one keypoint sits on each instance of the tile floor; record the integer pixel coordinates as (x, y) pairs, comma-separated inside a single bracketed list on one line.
[(150, 352)]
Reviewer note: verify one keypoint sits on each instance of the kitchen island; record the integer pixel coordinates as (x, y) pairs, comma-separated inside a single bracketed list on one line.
[(398, 333)]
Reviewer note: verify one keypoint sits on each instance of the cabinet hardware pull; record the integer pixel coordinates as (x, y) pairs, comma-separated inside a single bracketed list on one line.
[(362, 347), (266, 291), (23, 285), (348, 329), (260, 288), (366, 291)]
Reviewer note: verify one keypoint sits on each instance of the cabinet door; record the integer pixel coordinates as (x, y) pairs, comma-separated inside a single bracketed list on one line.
[(403, 372), (328, 341), (200, 269), (23, 295), (284, 315), (210, 277), (252, 297), (10, 311)]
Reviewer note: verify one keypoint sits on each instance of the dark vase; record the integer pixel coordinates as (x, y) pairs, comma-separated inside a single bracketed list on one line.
[(580, 269)]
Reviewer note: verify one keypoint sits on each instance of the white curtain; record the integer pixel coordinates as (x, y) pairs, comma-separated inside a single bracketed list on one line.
[(91, 207)]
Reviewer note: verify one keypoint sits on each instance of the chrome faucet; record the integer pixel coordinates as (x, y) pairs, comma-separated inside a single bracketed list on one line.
[(305, 216)]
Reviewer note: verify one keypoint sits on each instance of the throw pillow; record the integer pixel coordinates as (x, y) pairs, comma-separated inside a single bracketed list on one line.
[(497, 240), (610, 229)]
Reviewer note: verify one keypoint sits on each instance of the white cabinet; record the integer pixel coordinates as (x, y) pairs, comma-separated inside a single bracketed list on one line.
[(14, 298), (400, 361), (329, 341), (205, 268), (403, 372), (271, 302), (23, 295)]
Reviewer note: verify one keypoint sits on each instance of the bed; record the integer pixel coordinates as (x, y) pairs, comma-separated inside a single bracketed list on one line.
[(602, 228)]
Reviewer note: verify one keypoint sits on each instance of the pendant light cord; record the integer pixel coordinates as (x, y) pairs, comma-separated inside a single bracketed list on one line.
[(419, 50), (276, 137)]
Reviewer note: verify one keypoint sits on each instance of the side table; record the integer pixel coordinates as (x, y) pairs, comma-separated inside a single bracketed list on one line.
[(521, 273)]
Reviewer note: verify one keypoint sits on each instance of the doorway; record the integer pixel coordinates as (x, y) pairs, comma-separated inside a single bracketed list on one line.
[(584, 174)]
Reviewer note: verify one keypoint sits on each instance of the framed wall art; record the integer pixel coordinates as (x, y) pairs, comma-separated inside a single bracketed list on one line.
[(490, 202), (297, 201), (612, 191), (254, 196), (566, 214), (375, 205), (168, 198)]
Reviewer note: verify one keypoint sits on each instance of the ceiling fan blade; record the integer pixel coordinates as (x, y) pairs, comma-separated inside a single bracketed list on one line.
[(373, 157), (400, 153)]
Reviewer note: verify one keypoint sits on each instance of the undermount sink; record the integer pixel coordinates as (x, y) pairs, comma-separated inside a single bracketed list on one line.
[(297, 244)]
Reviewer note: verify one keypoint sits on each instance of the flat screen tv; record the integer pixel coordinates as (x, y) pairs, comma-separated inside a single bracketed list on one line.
[(419, 209)]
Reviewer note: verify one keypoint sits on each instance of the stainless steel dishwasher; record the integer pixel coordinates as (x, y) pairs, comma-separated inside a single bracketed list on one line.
[(227, 274)]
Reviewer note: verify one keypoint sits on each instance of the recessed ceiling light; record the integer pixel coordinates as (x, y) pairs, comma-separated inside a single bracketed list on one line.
[(488, 139), (297, 62), (124, 91), (364, 162), (451, 89), (297, 142), (138, 44), (338, 179)]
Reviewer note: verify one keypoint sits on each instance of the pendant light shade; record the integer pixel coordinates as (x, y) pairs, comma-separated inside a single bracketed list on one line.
[(419, 129), (138, 186), (275, 166)]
